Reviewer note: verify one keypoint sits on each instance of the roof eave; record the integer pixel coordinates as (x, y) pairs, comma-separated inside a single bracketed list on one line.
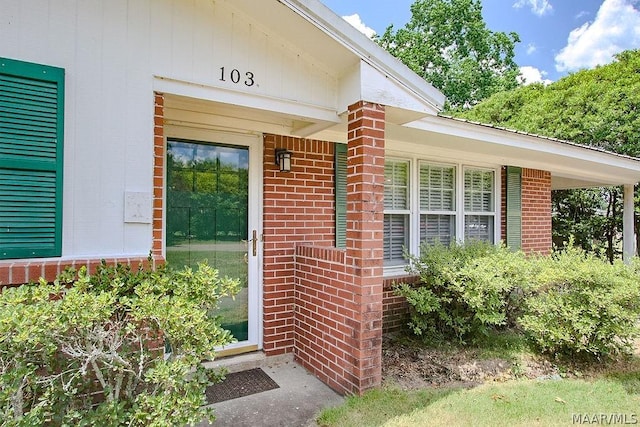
[(344, 33)]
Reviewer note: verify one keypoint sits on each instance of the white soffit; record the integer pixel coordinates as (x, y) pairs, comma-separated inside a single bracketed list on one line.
[(571, 165)]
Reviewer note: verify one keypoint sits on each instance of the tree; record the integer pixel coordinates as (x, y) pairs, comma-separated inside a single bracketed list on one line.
[(447, 43), (598, 107)]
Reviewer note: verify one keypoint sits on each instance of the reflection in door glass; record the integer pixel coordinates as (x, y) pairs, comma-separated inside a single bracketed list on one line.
[(207, 217)]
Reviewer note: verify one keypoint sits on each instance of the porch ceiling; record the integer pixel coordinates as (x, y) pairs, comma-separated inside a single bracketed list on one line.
[(291, 119)]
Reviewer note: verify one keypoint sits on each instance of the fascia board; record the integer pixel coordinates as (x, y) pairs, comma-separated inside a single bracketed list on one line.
[(525, 141), (349, 37)]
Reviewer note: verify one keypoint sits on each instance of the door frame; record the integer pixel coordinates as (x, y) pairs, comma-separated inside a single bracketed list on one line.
[(254, 143)]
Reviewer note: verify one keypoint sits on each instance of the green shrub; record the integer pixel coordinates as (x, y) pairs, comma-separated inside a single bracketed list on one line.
[(583, 306), (465, 289), (79, 351)]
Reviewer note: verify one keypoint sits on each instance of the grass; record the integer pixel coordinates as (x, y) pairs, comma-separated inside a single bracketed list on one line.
[(609, 389), (514, 403), (378, 406), (524, 403)]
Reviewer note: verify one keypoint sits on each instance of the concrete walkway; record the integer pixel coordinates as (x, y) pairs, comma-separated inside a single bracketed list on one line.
[(296, 403)]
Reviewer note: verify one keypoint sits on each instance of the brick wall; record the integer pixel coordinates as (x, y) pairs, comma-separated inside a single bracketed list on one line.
[(536, 210), (395, 308), (325, 312), (298, 208), (338, 293), (19, 272)]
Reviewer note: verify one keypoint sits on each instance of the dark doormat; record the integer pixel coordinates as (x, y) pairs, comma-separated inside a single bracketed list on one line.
[(239, 384)]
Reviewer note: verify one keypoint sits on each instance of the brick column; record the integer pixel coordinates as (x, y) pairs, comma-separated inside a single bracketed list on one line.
[(158, 175), (536, 211), (364, 256)]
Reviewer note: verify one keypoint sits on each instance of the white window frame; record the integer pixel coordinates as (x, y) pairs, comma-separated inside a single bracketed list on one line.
[(414, 200), (410, 198), (455, 213), (496, 207)]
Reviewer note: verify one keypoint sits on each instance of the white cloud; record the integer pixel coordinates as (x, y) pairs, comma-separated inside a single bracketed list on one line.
[(582, 14), (359, 25), (615, 28), (530, 75), (538, 7), (531, 48)]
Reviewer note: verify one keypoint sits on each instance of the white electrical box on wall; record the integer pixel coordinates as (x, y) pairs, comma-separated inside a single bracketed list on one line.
[(137, 207)]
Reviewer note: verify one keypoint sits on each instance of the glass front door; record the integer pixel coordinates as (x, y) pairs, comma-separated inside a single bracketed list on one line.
[(208, 219)]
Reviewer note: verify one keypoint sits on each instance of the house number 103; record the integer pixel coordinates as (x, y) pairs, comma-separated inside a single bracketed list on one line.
[(236, 77)]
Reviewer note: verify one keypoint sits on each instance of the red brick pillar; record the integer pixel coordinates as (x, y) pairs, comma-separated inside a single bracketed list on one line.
[(158, 175), (365, 210), (536, 211)]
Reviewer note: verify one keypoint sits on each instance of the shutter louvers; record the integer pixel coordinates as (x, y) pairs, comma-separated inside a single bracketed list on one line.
[(31, 132), (514, 207), (341, 194)]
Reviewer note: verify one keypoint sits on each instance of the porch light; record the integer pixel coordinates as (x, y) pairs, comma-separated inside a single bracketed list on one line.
[(283, 159)]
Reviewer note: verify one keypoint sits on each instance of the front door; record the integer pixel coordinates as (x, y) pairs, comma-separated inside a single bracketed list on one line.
[(209, 219)]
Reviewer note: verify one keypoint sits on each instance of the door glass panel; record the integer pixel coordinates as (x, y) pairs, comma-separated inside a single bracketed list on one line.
[(207, 217)]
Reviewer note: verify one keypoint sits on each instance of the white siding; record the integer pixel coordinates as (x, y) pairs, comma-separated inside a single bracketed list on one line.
[(112, 51)]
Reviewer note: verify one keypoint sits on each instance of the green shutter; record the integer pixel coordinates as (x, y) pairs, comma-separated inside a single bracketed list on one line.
[(341, 195), (31, 135), (514, 207)]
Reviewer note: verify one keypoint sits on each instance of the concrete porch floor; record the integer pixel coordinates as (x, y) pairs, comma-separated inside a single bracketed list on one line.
[(296, 403)]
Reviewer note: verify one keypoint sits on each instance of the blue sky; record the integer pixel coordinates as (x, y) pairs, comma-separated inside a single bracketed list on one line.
[(557, 36)]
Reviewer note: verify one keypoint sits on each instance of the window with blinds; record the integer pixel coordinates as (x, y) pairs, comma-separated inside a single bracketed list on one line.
[(437, 203), (31, 136), (427, 202), (479, 204), (396, 211)]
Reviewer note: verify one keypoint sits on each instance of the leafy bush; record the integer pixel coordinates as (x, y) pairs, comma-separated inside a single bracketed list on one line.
[(583, 306), (465, 289), (571, 303), (81, 351)]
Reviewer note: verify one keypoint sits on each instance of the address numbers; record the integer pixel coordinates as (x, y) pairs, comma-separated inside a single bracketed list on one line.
[(237, 77)]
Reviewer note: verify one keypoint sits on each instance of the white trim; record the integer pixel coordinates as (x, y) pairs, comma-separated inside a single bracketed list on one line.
[(202, 91), (563, 159), (414, 200), (369, 52), (628, 226)]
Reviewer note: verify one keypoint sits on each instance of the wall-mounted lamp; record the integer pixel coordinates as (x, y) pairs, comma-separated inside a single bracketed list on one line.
[(283, 159)]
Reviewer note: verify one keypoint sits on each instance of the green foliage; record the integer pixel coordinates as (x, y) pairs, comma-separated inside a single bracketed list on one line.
[(465, 290), (598, 108), (447, 43), (583, 306), (571, 303), (81, 351)]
